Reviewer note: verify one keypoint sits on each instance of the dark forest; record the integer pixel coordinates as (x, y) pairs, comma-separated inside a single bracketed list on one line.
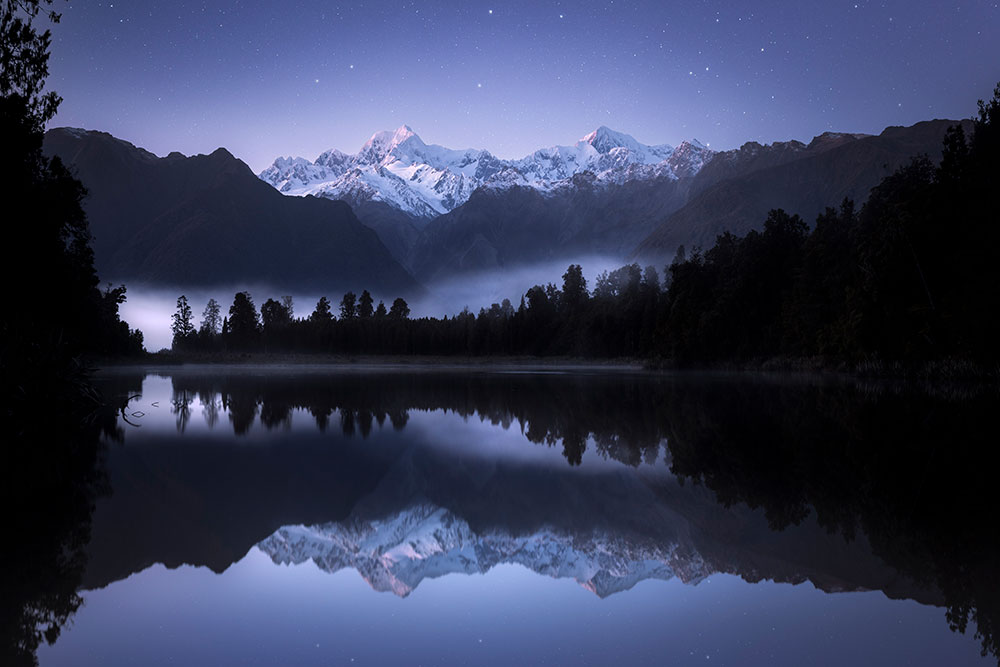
[(909, 277)]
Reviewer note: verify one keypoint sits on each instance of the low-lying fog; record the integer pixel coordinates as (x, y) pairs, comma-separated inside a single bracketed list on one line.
[(149, 307)]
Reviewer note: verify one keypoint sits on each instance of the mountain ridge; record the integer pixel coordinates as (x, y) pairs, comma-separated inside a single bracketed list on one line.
[(606, 196), (208, 220), (800, 178), (397, 167)]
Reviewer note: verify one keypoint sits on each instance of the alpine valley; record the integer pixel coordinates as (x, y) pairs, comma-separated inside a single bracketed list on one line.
[(409, 214)]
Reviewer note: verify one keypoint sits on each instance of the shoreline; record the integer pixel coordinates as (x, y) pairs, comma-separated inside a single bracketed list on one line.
[(258, 361), (945, 371)]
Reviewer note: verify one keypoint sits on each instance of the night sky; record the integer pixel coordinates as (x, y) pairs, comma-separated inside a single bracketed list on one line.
[(295, 78)]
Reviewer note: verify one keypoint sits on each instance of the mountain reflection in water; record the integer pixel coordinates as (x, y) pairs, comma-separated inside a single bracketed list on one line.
[(606, 477)]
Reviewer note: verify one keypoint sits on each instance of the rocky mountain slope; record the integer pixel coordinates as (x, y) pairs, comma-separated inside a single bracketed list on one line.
[(736, 189), (420, 212), (445, 213), (207, 220)]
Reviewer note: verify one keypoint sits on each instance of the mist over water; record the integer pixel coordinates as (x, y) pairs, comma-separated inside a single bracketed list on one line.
[(479, 290), (150, 307)]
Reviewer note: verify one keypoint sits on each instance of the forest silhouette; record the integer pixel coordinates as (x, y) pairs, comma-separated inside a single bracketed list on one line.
[(53, 419), (904, 279)]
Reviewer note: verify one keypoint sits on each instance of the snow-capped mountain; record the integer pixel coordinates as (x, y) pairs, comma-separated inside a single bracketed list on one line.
[(425, 181), (397, 552), (611, 156)]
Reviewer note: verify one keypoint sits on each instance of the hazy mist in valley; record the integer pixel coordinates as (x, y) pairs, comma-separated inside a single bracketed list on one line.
[(150, 307)]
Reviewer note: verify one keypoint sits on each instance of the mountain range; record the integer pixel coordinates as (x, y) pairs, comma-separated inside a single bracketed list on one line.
[(397, 552), (455, 212), (737, 188), (401, 213), (425, 181), (208, 220)]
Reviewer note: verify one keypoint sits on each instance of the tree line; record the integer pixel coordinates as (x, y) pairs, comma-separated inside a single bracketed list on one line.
[(56, 315), (56, 311), (616, 319), (908, 277)]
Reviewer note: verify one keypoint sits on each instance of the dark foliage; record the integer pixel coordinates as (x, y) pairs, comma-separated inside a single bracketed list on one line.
[(243, 332), (51, 476), (619, 320), (904, 468), (908, 278), (55, 309), (55, 316)]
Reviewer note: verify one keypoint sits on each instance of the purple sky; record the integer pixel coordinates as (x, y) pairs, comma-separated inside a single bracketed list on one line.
[(295, 78)]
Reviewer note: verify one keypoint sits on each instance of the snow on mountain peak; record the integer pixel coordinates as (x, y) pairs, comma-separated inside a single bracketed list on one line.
[(403, 132), (603, 139), (382, 144), (397, 552), (426, 180)]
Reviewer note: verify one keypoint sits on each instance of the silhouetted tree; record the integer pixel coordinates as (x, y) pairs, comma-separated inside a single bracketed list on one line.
[(322, 312), (56, 242), (506, 309), (211, 320), (348, 306), (274, 315), (51, 468), (574, 291), (182, 325), (244, 322), (24, 61), (883, 284), (399, 310), (276, 322), (289, 305), (365, 309)]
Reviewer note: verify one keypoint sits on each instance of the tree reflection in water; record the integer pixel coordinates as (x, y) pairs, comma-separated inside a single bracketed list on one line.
[(900, 468), (52, 474), (909, 469), (618, 416), (906, 466)]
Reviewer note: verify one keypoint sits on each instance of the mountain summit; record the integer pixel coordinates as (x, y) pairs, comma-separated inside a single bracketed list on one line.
[(605, 140), (383, 144)]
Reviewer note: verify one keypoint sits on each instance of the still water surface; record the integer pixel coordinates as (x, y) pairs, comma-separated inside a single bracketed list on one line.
[(388, 515)]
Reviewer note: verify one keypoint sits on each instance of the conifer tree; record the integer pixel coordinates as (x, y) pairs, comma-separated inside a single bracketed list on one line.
[(182, 326)]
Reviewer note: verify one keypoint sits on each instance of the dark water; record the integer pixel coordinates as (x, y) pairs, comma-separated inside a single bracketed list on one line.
[(380, 516)]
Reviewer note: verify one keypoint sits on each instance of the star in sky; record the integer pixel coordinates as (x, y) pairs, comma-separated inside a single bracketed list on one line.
[(181, 76)]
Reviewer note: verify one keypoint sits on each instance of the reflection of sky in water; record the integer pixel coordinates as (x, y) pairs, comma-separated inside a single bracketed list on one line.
[(259, 613), (156, 412)]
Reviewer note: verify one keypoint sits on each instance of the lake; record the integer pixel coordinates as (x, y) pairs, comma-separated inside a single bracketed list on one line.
[(502, 515)]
